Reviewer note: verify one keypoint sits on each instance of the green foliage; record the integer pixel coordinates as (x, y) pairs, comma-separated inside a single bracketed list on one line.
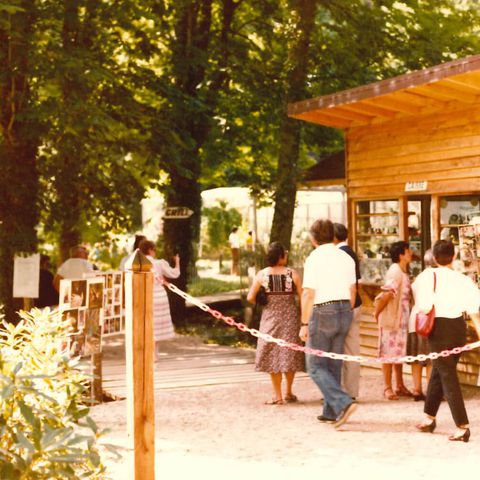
[(45, 430), (216, 332), (220, 221), (209, 286), (107, 94)]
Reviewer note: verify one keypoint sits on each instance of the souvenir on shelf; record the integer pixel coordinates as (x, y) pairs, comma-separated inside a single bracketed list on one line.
[(377, 226), (468, 258)]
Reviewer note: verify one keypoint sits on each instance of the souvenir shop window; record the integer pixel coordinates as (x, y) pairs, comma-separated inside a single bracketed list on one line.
[(460, 223), (456, 211), (377, 227)]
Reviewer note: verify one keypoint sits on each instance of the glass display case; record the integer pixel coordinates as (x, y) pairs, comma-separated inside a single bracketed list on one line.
[(377, 227), (456, 211), (460, 223), (468, 259), (419, 236)]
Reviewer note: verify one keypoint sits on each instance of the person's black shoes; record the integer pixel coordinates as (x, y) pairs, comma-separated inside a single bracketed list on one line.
[(345, 415), (427, 427), (323, 419), (461, 438)]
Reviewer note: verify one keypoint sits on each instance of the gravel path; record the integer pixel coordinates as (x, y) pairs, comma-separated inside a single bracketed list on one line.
[(225, 431)]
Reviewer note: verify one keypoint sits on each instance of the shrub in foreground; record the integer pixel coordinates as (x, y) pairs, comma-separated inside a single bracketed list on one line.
[(45, 430)]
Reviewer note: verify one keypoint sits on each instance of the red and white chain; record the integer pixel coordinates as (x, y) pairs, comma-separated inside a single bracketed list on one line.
[(310, 351)]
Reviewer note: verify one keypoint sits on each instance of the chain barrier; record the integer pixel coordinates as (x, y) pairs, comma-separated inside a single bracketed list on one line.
[(310, 351)]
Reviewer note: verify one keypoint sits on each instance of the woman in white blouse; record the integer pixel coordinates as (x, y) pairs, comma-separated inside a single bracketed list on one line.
[(455, 294), (162, 320)]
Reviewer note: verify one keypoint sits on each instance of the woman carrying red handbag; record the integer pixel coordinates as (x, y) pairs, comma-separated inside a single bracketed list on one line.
[(455, 294)]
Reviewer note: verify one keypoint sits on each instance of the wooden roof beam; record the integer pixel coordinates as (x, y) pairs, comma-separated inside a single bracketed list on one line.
[(315, 116), (421, 101), (377, 111), (443, 93), (340, 112), (395, 105), (470, 84)]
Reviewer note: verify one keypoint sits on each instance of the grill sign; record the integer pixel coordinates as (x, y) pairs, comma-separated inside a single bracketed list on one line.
[(177, 212)]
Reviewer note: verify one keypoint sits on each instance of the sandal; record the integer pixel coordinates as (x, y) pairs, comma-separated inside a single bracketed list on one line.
[(389, 394), (291, 398), (403, 391), (274, 402)]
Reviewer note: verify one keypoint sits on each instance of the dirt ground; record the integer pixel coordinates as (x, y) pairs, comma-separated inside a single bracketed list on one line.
[(226, 431)]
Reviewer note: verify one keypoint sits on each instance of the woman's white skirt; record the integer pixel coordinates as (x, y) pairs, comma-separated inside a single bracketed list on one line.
[(162, 320)]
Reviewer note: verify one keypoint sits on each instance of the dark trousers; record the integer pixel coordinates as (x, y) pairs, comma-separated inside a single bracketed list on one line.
[(447, 333)]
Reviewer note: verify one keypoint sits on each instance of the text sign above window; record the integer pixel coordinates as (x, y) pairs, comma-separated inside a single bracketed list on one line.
[(416, 186)]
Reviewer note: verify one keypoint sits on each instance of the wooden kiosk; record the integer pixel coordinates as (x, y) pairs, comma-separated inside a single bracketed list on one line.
[(412, 164)]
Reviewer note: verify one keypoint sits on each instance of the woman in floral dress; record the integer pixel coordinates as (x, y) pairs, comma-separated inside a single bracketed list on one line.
[(393, 319), (280, 319)]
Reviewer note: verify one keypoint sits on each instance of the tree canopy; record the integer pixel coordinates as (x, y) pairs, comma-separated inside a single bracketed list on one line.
[(100, 99)]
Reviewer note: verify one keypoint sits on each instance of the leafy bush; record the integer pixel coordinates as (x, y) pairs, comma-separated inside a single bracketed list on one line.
[(208, 286), (45, 430), (220, 221), (217, 332)]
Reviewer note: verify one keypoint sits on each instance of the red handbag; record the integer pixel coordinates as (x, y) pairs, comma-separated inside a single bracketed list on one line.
[(424, 321)]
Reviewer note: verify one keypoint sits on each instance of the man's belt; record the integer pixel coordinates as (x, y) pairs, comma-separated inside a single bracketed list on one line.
[(331, 302)]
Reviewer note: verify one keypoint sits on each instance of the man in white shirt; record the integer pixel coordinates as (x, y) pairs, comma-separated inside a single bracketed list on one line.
[(74, 267), (327, 300)]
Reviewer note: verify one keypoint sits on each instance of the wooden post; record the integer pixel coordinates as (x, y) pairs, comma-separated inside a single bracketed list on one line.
[(28, 304), (140, 365), (97, 391)]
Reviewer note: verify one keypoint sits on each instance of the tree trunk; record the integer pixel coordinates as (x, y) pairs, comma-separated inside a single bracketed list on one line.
[(69, 161), (193, 36), (290, 129), (18, 149)]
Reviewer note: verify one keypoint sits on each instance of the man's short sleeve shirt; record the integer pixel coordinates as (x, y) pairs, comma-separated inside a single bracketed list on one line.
[(330, 272), (74, 268)]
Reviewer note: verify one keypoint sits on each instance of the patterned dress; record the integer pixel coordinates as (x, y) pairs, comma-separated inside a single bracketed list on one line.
[(393, 343), (280, 319)]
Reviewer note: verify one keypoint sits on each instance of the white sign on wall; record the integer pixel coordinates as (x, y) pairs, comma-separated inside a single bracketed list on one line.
[(416, 186), (26, 276)]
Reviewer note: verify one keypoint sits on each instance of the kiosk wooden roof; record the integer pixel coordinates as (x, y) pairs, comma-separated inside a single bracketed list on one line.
[(416, 93), (423, 126)]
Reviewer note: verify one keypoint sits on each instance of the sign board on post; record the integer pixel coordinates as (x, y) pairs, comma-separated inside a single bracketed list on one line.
[(177, 212), (26, 276)]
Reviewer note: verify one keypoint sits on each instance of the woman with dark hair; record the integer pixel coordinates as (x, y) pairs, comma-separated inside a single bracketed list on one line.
[(136, 244), (454, 294), (280, 319), (392, 312)]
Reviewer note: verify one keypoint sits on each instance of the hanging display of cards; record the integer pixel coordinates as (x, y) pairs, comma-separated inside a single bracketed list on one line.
[(81, 304), (114, 320)]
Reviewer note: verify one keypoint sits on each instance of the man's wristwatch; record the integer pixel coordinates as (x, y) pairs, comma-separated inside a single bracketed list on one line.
[(304, 324)]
